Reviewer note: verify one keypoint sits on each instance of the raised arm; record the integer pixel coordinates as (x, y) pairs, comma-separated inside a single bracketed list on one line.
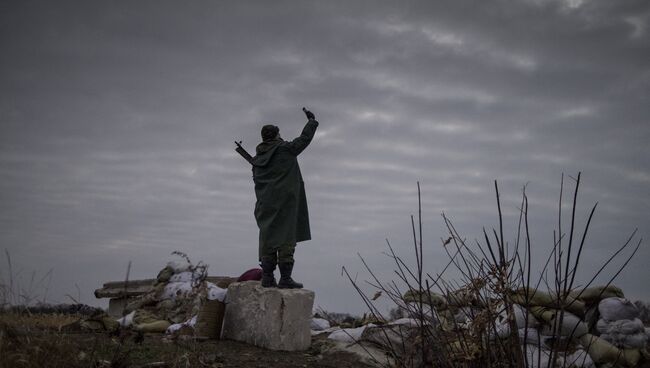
[(299, 144)]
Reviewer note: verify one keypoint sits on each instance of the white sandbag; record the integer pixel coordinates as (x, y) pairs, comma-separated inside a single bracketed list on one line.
[(216, 293), (182, 277), (571, 326), (177, 326), (319, 324), (349, 335), (536, 357), (625, 333), (176, 289), (327, 331), (614, 309), (579, 359), (532, 337), (623, 326), (634, 341), (179, 266), (427, 311), (500, 329), (126, 320), (523, 317), (410, 322)]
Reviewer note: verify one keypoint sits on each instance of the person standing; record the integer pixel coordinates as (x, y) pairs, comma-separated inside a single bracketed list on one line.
[(281, 207)]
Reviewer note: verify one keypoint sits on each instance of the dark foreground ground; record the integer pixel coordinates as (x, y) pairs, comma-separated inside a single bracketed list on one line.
[(37, 341)]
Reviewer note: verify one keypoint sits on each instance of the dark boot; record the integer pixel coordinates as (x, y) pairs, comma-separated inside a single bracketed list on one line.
[(286, 282), (268, 280)]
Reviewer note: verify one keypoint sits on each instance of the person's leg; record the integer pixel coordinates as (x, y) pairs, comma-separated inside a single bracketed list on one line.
[(268, 261), (285, 263)]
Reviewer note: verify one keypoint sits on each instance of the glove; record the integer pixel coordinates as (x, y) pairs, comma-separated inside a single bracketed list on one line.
[(309, 114)]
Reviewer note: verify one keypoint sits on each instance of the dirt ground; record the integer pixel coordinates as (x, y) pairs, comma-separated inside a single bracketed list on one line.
[(38, 342)]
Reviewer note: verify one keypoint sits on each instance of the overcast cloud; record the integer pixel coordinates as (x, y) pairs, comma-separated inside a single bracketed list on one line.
[(117, 121)]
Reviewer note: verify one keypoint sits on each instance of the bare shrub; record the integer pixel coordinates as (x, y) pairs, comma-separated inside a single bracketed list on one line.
[(496, 279)]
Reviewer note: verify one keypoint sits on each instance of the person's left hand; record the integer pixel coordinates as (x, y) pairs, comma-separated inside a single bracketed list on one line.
[(309, 114)]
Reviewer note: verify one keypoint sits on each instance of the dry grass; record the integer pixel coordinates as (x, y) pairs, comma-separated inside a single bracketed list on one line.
[(36, 321)]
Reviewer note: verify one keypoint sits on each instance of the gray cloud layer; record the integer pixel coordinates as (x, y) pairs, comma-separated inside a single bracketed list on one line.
[(117, 121)]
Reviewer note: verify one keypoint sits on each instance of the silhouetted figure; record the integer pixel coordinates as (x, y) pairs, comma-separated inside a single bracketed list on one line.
[(281, 207)]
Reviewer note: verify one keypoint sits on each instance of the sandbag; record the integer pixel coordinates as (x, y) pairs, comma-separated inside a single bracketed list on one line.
[(578, 359), (624, 326), (190, 323), (210, 319), (153, 327), (319, 324), (466, 314), (179, 265), (95, 323), (536, 357), (463, 298), (531, 297), (532, 336), (434, 299), (127, 320), (595, 294), (175, 290), (629, 334), (523, 317), (602, 352), (165, 274), (186, 276), (571, 325), (614, 309), (216, 293), (349, 335), (389, 337), (412, 322)]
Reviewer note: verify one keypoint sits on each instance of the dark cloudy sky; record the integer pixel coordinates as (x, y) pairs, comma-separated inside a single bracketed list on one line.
[(117, 121)]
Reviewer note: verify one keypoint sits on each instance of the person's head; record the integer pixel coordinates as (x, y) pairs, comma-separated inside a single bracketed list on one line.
[(270, 132)]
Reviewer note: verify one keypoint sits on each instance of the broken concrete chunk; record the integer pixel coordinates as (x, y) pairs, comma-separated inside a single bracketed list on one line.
[(272, 318)]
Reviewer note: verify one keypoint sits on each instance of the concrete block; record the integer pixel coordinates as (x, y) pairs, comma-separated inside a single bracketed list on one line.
[(272, 318), (116, 306)]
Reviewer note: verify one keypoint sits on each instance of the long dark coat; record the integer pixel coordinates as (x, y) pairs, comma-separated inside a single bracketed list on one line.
[(281, 207)]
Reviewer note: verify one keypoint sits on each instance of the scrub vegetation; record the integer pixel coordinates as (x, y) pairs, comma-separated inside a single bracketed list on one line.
[(498, 283)]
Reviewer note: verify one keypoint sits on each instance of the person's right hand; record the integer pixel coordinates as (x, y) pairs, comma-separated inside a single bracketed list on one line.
[(309, 114)]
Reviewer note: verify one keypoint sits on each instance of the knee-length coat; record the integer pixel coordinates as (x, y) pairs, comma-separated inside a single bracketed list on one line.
[(281, 207)]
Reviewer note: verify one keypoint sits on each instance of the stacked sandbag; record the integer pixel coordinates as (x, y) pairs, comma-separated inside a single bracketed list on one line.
[(177, 302), (537, 298), (619, 324)]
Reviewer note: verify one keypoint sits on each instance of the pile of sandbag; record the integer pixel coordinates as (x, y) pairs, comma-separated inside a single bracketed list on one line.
[(180, 297), (588, 328), (620, 338)]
